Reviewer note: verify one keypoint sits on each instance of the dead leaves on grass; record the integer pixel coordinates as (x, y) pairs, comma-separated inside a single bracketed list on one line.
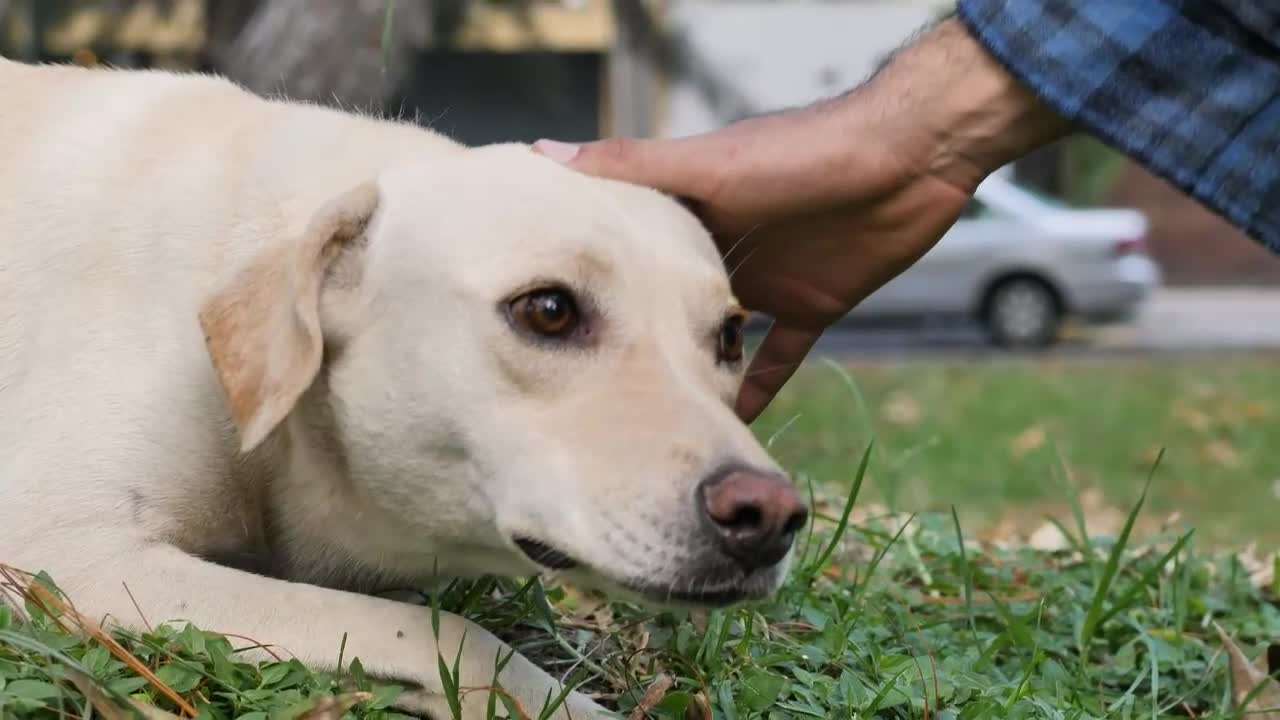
[(1033, 438), (1253, 689), (1213, 420), (333, 707), (901, 409), (19, 588), (657, 690), (26, 586), (108, 707), (1261, 570)]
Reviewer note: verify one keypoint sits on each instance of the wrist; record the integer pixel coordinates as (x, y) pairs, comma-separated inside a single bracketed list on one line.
[(959, 115)]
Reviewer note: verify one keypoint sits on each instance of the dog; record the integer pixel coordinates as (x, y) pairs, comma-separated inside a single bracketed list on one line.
[(261, 360)]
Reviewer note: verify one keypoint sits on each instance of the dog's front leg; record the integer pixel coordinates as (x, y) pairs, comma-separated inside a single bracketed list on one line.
[(394, 641)]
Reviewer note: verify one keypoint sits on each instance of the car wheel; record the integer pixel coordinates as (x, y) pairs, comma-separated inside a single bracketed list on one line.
[(1022, 313)]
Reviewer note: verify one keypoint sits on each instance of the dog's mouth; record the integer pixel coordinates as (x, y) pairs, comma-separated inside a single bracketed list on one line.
[(705, 598), (544, 555), (705, 591)]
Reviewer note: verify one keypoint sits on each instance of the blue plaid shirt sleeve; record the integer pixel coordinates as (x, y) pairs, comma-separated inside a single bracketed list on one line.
[(1188, 88)]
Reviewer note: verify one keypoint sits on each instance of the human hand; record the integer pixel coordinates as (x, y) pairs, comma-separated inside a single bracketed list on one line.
[(801, 246), (815, 209)]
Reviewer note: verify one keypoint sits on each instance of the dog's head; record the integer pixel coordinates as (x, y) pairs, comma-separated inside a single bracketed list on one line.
[(522, 369)]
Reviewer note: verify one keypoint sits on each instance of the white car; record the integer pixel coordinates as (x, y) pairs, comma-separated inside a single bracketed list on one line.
[(1020, 263)]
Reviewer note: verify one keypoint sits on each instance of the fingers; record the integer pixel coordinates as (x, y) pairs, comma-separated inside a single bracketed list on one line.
[(673, 166), (781, 353)]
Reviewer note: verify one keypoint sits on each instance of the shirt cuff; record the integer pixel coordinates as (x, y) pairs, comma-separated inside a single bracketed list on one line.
[(1190, 92)]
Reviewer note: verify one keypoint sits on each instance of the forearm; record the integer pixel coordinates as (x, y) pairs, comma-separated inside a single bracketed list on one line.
[(966, 112)]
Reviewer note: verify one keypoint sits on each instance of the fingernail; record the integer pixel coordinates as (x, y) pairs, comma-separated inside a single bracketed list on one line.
[(558, 151)]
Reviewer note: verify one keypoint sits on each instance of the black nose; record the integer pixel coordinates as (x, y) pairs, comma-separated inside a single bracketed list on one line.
[(755, 514)]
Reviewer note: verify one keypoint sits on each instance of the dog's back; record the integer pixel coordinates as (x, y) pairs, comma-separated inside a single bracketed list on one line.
[(124, 196)]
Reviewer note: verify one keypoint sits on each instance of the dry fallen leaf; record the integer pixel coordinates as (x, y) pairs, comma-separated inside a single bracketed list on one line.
[(657, 690), (332, 707), (1223, 453), (1147, 458), (1261, 569), (1245, 676), (108, 707), (901, 409), (863, 512), (1191, 417), (698, 709), (1048, 538), (578, 605), (1100, 518), (1009, 525), (1030, 439), (1173, 519), (69, 619), (1255, 410)]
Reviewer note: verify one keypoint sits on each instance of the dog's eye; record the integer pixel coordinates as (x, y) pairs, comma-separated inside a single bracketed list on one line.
[(731, 340), (550, 313)]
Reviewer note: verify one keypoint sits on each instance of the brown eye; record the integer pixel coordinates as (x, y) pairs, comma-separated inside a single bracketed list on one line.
[(548, 313), (731, 340)]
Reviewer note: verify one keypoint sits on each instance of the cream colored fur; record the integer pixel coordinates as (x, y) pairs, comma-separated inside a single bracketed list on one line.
[(253, 367)]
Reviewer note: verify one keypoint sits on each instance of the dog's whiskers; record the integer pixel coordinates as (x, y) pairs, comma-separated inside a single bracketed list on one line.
[(740, 240), (744, 260), (772, 368)]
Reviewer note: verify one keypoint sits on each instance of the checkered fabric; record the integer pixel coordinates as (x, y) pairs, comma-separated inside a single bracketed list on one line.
[(1188, 88)]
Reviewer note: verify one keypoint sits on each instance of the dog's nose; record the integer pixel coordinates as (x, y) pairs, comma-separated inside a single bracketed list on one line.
[(756, 514)]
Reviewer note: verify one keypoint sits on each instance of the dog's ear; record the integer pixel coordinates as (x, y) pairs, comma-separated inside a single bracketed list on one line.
[(262, 329)]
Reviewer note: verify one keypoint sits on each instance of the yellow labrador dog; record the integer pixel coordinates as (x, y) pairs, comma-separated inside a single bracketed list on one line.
[(261, 360)]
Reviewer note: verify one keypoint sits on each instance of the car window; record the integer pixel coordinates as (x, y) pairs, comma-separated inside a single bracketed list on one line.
[(974, 209), (1045, 198)]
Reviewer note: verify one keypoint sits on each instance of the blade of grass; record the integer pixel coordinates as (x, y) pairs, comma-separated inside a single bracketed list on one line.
[(1085, 543), (816, 567), (967, 569), (778, 433), (387, 26), (549, 708), (1182, 590), (889, 686), (1131, 594), (1015, 626), (857, 394), (1016, 694), (1094, 615), (865, 581), (813, 516), (887, 490), (1155, 677)]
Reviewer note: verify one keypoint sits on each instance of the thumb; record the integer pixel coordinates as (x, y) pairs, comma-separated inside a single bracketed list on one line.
[(667, 165)]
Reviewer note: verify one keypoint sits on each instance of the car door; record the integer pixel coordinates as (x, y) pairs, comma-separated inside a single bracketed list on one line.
[(944, 281)]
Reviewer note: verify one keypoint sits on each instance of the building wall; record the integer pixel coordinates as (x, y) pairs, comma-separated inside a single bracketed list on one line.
[(1192, 244), (479, 97), (751, 56)]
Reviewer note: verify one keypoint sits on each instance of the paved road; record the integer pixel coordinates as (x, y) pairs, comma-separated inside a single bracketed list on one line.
[(1245, 319), (1174, 321)]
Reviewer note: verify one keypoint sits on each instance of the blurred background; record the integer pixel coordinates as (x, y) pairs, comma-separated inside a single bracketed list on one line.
[(1082, 316)]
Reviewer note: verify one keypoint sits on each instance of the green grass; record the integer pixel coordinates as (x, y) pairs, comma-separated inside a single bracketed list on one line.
[(886, 616), (993, 438), (889, 629)]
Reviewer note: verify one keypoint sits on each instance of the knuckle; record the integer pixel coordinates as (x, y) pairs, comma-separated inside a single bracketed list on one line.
[(615, 150)]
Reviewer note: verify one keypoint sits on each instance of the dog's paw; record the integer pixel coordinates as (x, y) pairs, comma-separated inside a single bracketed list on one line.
[(434, 706), (422, 704)]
